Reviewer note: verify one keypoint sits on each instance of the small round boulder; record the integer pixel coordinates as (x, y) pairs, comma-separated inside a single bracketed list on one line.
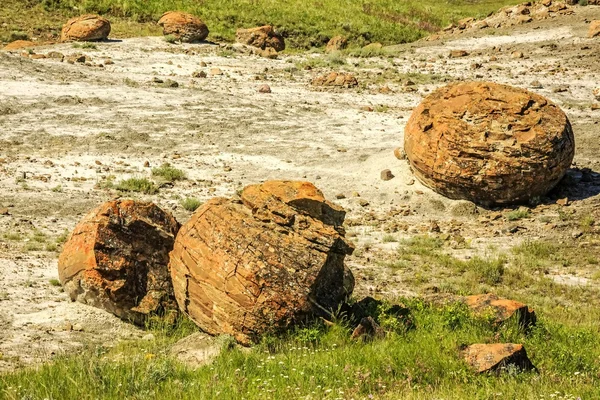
[(488, 143), (117, 259), (183, 26), (85, 28)]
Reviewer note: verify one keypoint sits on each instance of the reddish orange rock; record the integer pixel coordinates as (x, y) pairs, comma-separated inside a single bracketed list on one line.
[(339, 79), (261, 37), (19, 44), (85, 28), (183, 26), (336, 43), (594, 29), (117, 259), (502, 309), (488, 143), (494, 357), (259, 263)]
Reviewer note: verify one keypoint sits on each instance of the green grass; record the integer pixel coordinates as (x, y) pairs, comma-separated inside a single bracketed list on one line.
[(517, 215), (139, 185), (304, 24), (321, 362), (168, 173), (191, 204)]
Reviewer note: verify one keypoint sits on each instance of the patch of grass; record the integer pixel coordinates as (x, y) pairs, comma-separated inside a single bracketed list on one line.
[(322, 362), (33, 246), (139, 185), (54, 282), (17, 35), (170, 39), (85, 45), (57, 189), (131, 83), (191, 204), (389, 239), (168, 173), (13, 236), (517, 214)]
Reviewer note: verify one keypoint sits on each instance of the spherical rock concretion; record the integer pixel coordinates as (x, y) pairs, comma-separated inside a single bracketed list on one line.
[(488, 143)]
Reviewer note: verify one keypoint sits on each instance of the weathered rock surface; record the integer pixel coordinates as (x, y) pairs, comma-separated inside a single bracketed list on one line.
[(183, 26), (502, 309), (496, 356), (19, 44), (367, 330), (594, 29), (488, 143), (336, 43), (117, 259), (85, 28), (339, 79), (256, 264), (261, 37)]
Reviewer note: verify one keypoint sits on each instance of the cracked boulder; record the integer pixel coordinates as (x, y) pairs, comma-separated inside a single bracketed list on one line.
[(260, 262), (85, 28), (117, 259), (262, 37), (488, 143), (183, 26), (501, 310)]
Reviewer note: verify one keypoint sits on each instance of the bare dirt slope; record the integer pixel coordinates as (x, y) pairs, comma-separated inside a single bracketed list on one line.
[(67, 128)]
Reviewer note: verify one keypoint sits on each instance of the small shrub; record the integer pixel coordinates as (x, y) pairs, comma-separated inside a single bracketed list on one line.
[(17, 35), (168, 173), (389, 239), (170, 39), (191, 204), (517, 215), (54, 282), (15, 237), (140, 185)]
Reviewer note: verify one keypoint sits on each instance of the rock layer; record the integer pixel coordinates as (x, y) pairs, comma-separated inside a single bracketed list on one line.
[(85, 28), (117, 259), (184, 27), (259, 263), (261, 37), (501, 309), (488, 143)]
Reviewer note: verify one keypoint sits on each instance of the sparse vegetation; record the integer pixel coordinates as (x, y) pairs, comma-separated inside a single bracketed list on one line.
[(191, 204), (517, 214), (139, 185), (168, 173), (85, 46)]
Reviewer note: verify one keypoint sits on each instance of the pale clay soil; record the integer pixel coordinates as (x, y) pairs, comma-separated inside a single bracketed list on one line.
[(71, 125)]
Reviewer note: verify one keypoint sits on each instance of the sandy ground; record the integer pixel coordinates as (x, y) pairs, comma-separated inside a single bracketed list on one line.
[(67, 127)]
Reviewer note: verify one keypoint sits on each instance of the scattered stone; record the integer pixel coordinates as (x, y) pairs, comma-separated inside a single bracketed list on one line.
[(199, 74), (363, 203), (200, 349), (596, 93), (517, 54), (536, 85), (336, 43), (55, 55), (85, 28), (338, 196), (116, 259), (264, 89), (4, 211), (147, 164), (339, 79), (497, 356), (184, 27), (560, 89), (260, 262), (465, 141), (563, 202), (386, 175), (594, 29), (261, 37), (502, 309), (458, 53), (76, 59), (203, 64), (399, 153), (215, 72)]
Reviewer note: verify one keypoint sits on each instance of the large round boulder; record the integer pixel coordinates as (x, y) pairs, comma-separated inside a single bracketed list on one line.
[(117, 259), (183, 26), (88, 27), (489, 143), (258, 263)]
